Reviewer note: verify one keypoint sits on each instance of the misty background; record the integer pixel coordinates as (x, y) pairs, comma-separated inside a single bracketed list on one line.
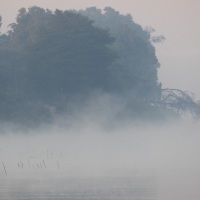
[(88, 99), (161, 159)]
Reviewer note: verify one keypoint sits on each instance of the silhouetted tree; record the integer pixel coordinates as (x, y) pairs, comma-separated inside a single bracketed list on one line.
[(49, 59), (135, 70), (64, 53)]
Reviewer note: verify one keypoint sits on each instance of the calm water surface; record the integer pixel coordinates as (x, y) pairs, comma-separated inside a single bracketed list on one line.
[(74, 188)]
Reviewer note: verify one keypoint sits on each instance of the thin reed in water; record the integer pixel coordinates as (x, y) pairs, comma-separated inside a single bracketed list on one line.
[(4, 168)]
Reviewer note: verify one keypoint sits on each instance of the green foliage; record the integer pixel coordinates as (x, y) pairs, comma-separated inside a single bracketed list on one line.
[(50, 59), (135, 70), (64, 53)]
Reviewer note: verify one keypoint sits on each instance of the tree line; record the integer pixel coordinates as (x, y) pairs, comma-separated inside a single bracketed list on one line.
[(50, 59)]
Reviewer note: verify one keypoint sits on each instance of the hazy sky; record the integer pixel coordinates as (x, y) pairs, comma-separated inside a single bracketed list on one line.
[(177, 20)]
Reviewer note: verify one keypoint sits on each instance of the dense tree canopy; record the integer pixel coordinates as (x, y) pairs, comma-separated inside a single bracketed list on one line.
[(50, 59), (64, 53), (136, 68)]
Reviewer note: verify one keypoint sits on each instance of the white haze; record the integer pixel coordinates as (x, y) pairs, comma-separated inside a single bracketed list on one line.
[(169, 152)]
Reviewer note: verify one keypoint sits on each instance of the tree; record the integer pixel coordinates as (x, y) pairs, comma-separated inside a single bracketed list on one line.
[(49, 59), (135, 71), (181, 102), (64, 53)]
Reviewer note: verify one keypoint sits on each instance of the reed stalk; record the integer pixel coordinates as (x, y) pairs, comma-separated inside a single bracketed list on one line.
[(4, 168)]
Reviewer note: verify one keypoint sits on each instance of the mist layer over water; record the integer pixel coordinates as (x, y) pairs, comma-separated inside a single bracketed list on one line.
[(166, 154)]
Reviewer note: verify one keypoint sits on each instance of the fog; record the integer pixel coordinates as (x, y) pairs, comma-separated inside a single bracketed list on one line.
[(88, 147), (91, 142)]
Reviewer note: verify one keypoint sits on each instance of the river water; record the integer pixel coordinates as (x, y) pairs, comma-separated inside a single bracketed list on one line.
[(78, 188), (149, 164)]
